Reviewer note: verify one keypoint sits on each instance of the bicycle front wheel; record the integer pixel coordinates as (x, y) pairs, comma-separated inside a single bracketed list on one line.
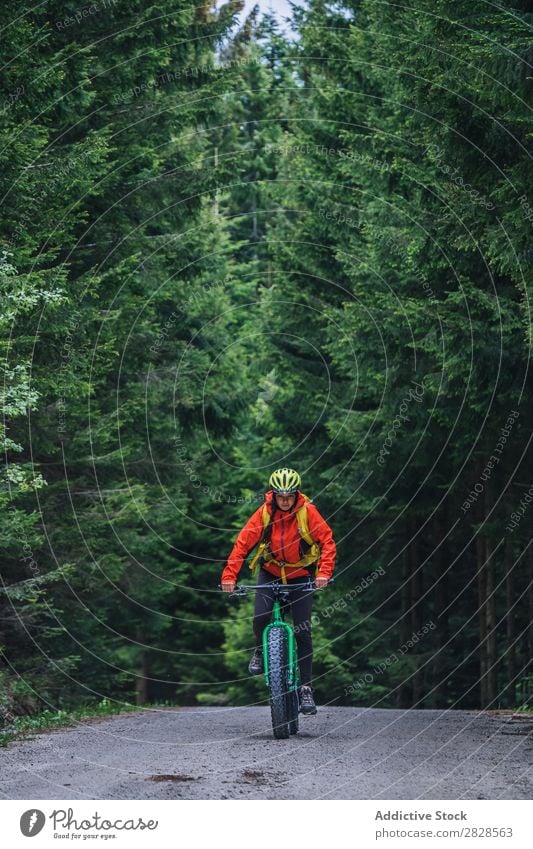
[(278, 683), (294, 707)]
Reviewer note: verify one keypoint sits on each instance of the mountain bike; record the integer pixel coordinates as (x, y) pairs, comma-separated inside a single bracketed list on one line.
[(280, 658)]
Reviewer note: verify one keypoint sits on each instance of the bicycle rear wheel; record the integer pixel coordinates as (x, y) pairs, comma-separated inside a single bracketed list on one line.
[(277, 676)]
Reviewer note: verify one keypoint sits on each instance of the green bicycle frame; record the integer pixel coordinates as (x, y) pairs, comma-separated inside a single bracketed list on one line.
[(292, 660)]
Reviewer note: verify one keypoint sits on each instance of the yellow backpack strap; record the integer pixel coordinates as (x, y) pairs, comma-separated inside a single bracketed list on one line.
[(303, 528), (303, 524), (265, 518)]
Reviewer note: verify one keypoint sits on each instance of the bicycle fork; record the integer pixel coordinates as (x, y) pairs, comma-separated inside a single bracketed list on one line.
[(292, 664)]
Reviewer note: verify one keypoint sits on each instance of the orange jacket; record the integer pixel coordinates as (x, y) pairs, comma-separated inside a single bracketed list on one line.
[(285, 541)]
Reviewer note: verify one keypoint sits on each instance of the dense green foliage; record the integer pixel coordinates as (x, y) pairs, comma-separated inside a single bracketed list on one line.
[(224, 251)]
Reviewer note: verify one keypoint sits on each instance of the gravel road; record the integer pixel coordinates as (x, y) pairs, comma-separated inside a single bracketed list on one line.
[(229, 753)]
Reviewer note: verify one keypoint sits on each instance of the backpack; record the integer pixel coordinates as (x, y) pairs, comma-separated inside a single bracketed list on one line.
[(309, 556)]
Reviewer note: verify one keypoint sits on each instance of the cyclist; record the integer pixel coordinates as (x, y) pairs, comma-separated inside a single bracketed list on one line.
[(285, 554)]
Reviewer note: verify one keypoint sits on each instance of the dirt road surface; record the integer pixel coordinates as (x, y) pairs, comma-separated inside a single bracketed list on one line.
[(229, 753)]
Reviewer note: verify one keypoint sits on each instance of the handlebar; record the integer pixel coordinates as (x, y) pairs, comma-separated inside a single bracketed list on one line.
[(241, 589)]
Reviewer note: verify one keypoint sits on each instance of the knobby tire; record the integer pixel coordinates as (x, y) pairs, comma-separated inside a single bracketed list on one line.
[(278, 675)]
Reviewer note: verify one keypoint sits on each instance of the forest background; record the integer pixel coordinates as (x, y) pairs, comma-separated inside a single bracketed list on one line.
[(227, 246)]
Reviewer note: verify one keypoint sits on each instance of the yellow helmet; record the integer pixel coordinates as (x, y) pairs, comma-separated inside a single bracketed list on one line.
[(285, 480)]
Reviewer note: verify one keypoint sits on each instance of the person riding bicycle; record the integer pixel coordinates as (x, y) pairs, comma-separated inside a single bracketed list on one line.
[(285, 553)]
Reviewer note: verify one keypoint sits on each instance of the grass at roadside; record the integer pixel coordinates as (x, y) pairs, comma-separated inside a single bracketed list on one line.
[(22, 726)]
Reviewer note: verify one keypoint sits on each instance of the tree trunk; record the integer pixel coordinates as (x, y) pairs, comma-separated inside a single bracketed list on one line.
[(405, 691), (510, 656), (141, 681), (481, 598), (490, 614), (528, 669), (417, 590), (490, 607), (442, 633)]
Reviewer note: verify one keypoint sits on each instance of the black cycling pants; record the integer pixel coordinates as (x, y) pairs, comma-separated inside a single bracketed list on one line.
[(300, 606)]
